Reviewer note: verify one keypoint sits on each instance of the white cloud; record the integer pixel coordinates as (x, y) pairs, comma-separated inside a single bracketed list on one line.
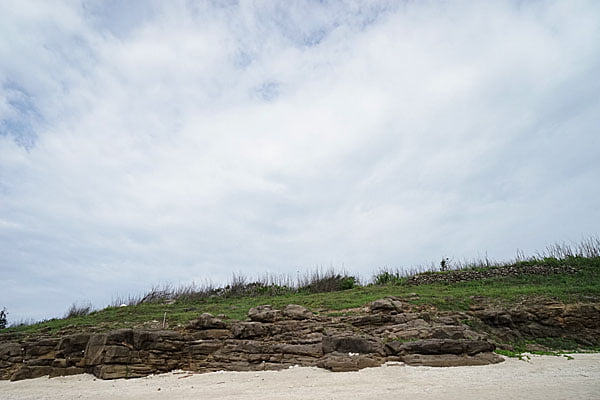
[(178, 142)]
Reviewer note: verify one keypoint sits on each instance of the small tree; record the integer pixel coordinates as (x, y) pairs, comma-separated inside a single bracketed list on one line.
[(3, 319)]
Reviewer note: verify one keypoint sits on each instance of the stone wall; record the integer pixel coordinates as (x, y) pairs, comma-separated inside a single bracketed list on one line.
[(454, 276)]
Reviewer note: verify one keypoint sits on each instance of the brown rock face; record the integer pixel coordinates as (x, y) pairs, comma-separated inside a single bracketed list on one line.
[(577, 322), (247, 330), (275, 339), (264, 313), (347, 344), (389, 304), (294, 311), (338, 362), (451, 360), (27, 372), (445, 346), (207, 321)]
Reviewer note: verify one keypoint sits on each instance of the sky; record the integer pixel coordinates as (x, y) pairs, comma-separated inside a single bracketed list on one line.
[(147, 142)]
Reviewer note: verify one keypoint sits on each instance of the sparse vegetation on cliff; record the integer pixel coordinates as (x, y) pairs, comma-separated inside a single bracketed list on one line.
[(573, 276)]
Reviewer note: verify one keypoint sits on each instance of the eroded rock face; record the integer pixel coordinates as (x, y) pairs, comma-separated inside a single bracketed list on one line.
[(207, 321), (348, 344), (577, 322), (440, 346), (295, 311), (340, 362), (264, 313), (451, 360), (390, 330)]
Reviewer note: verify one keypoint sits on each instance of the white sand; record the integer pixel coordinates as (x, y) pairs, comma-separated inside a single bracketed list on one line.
[(543, 377)]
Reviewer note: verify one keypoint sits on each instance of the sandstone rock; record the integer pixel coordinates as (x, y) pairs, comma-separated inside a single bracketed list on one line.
[(41, 347), (273, 342), (168, 345), (347, 344), (65, 371), (247, 346), (338, 362), (209, 334), (40, 362), (205, 347), (206, 321), (145, 340), (455, 332), (120, 336), (116, 355), (8, 350), (264, 313), (370, 320), (31, 372), (495, 317), (247, 330), (393, 347), (443, 346), (451, 360), (94, 350), (295, 311), (312, 350), (389, 304), (116, 371), (73, 344), (59, 363)]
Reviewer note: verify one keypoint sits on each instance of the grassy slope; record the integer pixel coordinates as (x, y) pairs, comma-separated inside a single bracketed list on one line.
[(582, 286)]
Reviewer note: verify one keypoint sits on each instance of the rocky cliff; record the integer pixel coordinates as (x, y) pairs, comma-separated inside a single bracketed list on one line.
[(389, 329)]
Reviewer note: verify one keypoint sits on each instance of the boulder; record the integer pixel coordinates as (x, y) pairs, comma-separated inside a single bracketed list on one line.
[(337, 362), (389, 304), (264, 313), (206, 321), (295, 311)]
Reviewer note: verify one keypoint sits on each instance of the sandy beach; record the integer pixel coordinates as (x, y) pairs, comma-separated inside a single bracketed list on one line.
[(542, 377)]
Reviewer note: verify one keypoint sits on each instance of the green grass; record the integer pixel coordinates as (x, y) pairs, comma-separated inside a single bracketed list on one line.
[(568, 288)]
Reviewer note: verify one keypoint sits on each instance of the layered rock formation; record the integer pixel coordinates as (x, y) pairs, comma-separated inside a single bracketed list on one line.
[(389, 330)]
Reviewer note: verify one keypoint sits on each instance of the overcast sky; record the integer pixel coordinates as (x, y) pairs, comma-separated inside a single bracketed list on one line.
[(174, 141)]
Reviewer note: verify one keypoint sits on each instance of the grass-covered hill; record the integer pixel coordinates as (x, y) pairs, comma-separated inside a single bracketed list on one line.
[(568, 274)]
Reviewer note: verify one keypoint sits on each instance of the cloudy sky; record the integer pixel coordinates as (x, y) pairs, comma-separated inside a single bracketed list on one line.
[(147, 142)]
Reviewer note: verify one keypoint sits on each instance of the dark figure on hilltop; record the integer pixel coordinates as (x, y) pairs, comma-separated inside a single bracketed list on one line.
[(444, 264), (3, 320)]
